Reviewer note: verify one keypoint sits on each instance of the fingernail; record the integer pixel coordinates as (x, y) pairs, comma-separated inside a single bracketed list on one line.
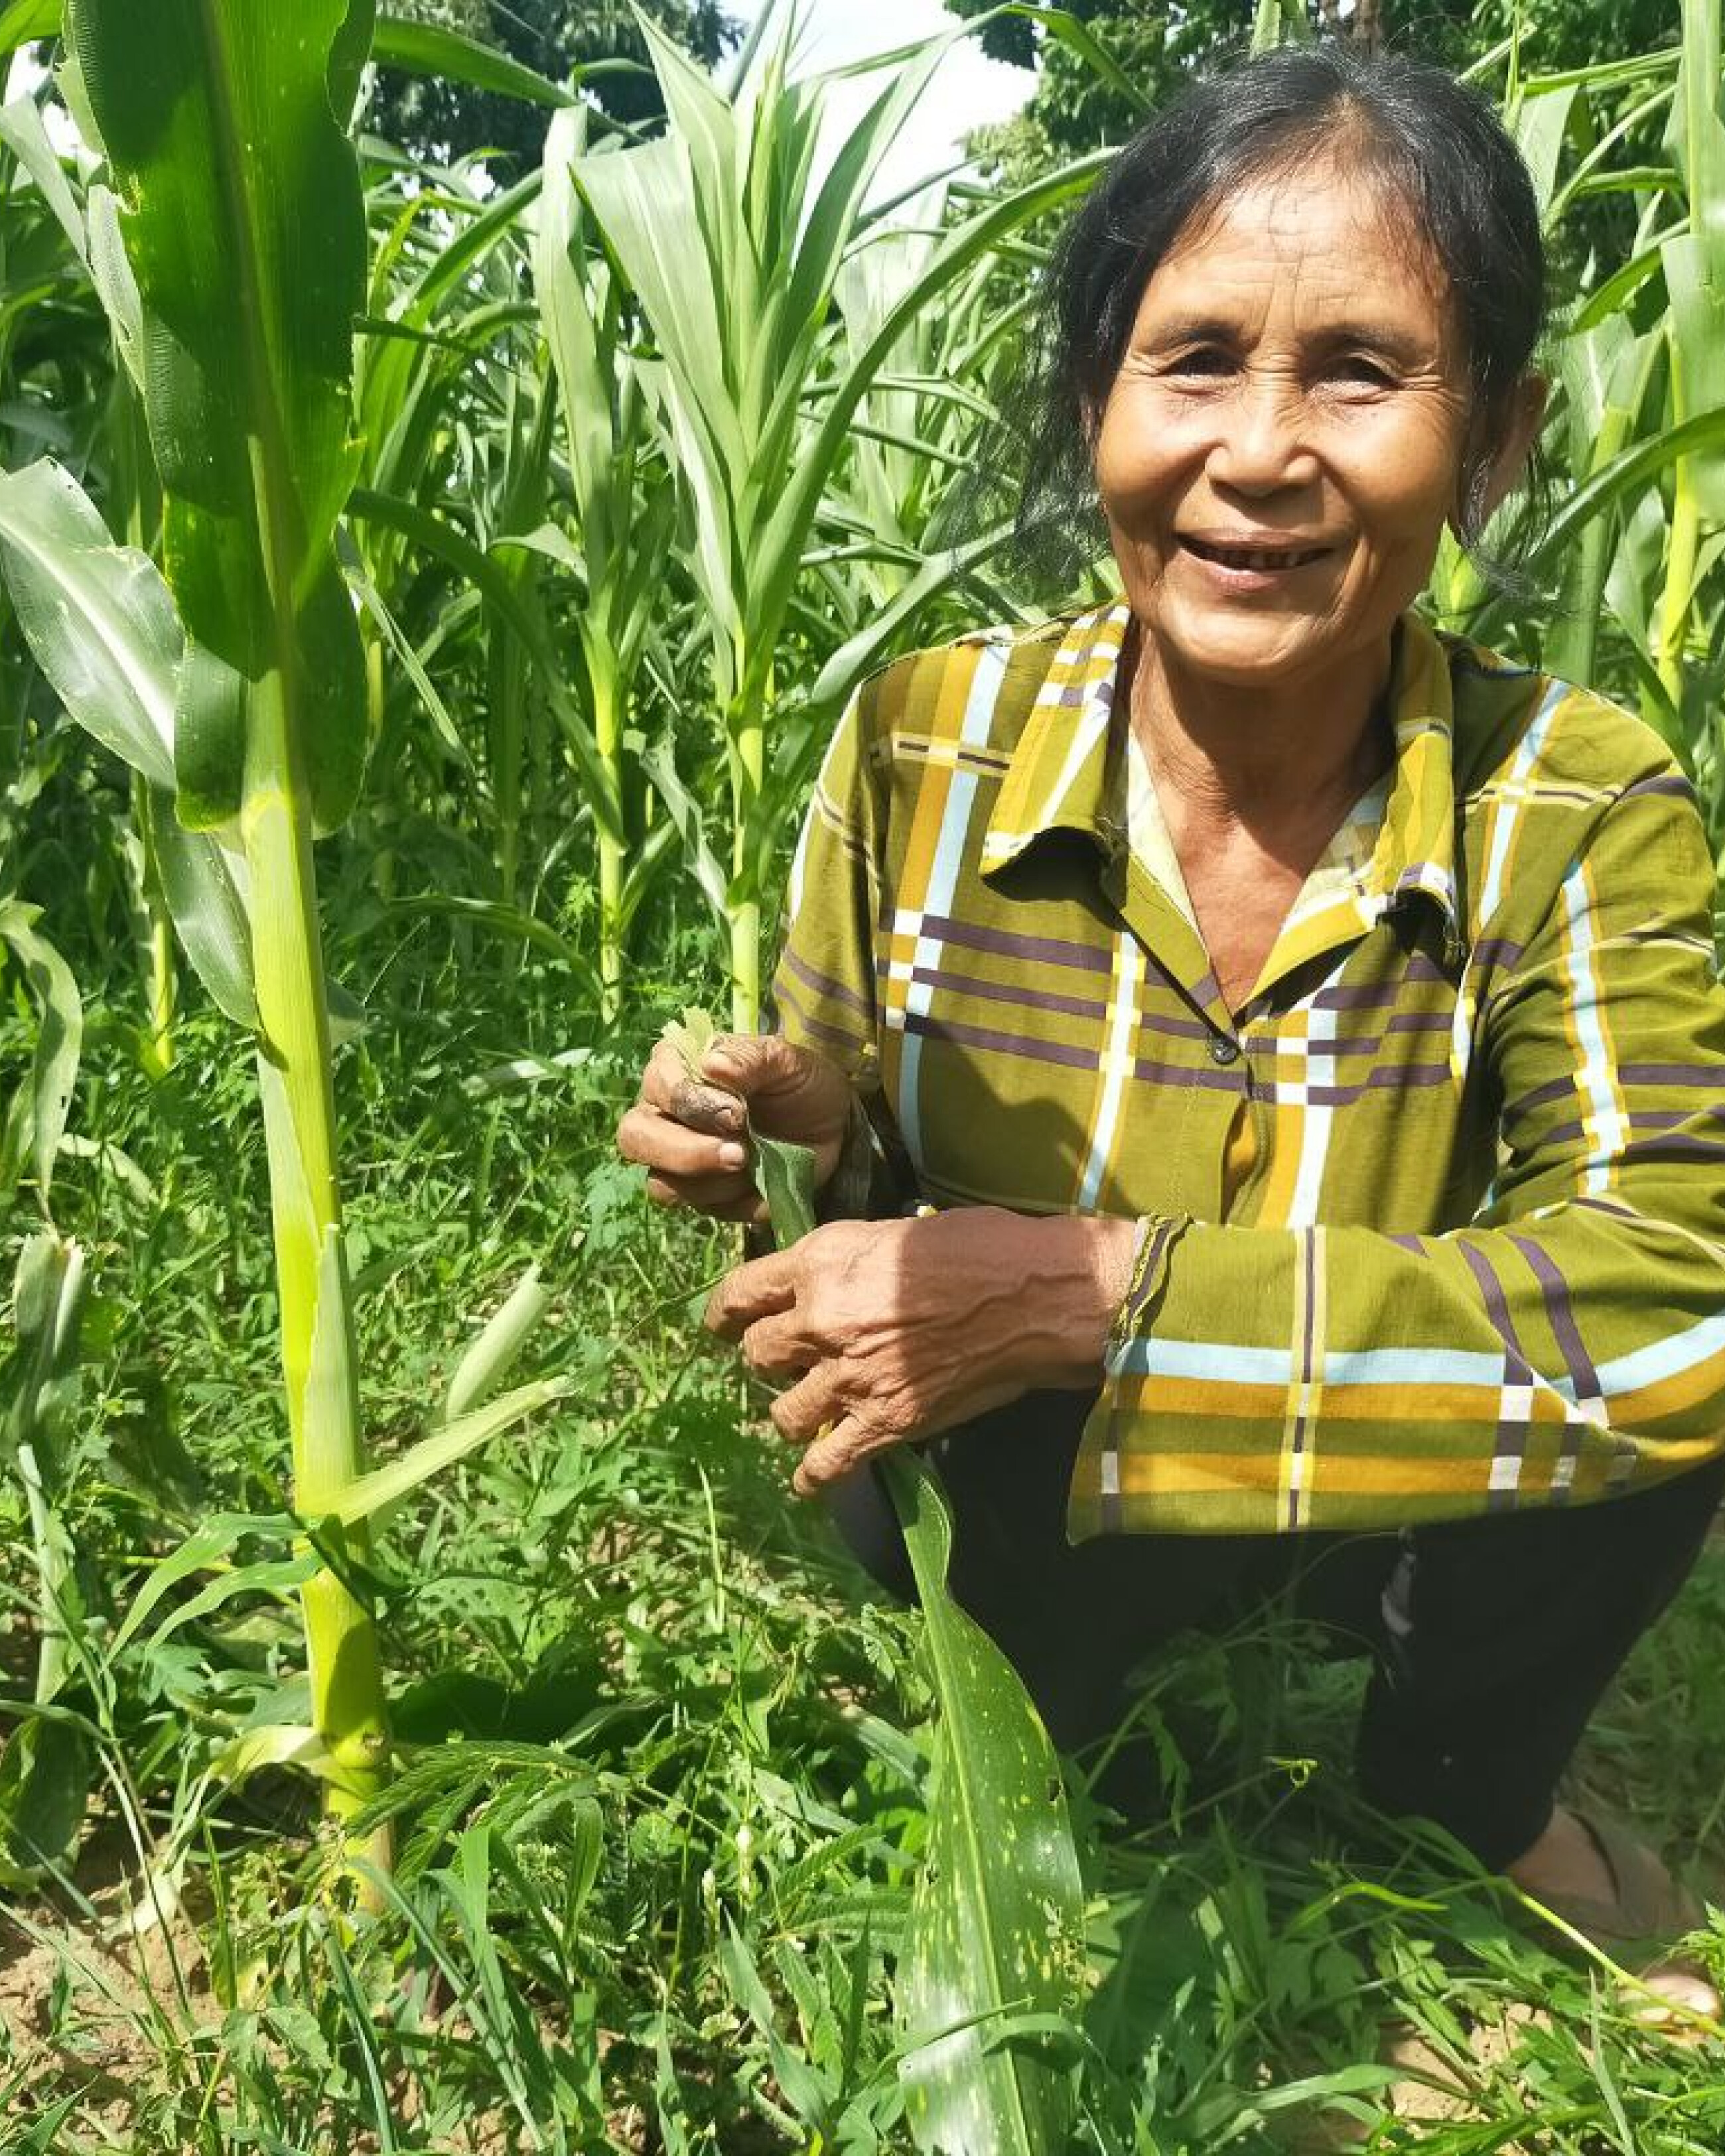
[(732, 1156)]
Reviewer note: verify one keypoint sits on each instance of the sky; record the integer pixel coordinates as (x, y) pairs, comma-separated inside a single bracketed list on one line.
[(968, 90)]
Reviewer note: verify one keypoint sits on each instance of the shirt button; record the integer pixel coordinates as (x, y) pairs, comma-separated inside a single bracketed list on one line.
[(1224, 1048)]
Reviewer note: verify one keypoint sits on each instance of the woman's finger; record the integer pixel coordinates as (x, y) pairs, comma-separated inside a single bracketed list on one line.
[(667, 1086), (751, 1291), (722, 1198), (837, 1452), (804, 1410), (778, 1346), (652, 1140)]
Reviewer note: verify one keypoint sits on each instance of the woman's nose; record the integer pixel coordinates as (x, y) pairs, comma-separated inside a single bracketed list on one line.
[(1260, 445)]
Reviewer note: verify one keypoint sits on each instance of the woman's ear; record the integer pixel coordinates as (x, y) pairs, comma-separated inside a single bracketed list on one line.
[(1494, 469)]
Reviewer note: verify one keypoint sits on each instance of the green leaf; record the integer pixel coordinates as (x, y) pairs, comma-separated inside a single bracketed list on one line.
[(101, 625), (1640, 462), (428, 48), (26, 20), (212, 1545), (489, 1359), (59, 1037), (997, 1912), (50, 1764), (784, 1175), (271, 1744), (198, 880), (691, 1036), (871, 643), (438, 536), (245, 225), (368, 1494), (40, 1378), (97, 617), (46, 1776), (25, 134)]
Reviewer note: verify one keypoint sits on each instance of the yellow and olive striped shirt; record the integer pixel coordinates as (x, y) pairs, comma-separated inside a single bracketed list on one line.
[(1434, 1223)]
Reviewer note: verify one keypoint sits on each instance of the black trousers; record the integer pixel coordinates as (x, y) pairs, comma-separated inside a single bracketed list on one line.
[(1493, 1638)]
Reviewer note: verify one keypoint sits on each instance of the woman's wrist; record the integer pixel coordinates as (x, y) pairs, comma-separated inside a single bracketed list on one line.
[(1076, 1270)]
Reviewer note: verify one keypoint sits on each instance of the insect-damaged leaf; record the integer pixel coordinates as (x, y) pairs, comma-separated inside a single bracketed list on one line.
[(996, 1930), (994, 1963)]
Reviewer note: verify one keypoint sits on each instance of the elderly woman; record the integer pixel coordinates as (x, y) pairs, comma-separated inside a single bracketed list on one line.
[(1304, 1024)]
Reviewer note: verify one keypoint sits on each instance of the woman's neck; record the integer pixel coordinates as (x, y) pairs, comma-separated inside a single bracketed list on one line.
[(1263, 759)]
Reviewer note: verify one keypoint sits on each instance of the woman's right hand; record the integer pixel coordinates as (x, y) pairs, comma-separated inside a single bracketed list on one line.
[(692, 1138)]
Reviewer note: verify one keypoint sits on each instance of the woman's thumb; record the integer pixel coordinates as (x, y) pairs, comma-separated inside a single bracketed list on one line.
[(749, 1063)]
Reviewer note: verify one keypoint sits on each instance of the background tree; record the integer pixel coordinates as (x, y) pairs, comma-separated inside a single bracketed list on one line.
[(1157, 45), (441, 119)]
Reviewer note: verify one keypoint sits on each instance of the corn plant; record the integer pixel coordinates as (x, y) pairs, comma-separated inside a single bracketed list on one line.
[(994, 1959), (46, 1769), (733, 254), (450, 518), (621, 499), (237, 687), (1634, 552)]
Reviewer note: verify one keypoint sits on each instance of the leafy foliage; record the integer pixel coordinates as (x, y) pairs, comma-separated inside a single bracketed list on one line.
[(668, 1770), (444, 121), (1073, 108)]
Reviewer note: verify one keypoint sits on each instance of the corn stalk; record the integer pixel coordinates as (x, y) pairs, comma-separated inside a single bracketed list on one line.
[(243, 226)]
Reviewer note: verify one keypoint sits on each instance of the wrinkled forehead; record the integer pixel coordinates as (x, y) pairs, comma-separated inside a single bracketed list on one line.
[(1317, 236)]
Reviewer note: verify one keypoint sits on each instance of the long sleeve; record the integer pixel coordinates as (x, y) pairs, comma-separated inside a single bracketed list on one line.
[(824, 989), (1567, 1343)]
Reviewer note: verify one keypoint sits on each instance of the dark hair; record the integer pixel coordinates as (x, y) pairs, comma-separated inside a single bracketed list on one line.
[(1433, 143)]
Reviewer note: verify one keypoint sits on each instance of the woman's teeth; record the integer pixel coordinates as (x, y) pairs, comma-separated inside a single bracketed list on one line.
[(1256, 557)]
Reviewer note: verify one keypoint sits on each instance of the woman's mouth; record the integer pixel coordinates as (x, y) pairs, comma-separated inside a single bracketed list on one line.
[(1264, 560)]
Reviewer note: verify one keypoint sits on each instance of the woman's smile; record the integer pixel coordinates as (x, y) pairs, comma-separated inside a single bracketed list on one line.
[(1246, 565)]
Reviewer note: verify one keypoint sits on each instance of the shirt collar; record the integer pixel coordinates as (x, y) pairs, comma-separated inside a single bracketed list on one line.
[(1058, 779), (1061, 778)]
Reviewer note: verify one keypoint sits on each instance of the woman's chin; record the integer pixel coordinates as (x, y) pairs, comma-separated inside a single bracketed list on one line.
[(1248, 654)]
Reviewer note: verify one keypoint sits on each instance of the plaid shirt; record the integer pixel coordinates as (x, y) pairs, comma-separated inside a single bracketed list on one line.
[(1434, 1223)]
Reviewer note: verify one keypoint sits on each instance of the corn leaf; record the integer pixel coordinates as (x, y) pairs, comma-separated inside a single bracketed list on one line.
[(1695, 260), (244, 226), (996, 1930), (368, 1494), (26, 20), (428, 48), (59, 1035), (100, 624), (206, 1548), (50, 1764), (488, 1359), (25, 134), (97, 618), (994, 1965), (41, 1375), (438, 536)]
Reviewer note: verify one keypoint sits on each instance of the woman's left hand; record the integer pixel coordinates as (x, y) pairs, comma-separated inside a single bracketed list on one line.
[(896, 1329)]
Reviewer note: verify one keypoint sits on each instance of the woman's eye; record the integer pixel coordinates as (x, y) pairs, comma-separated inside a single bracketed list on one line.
[(1356, 366), (1208, 360)]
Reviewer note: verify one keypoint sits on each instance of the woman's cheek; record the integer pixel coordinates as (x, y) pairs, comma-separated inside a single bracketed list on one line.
[(1139, 453)]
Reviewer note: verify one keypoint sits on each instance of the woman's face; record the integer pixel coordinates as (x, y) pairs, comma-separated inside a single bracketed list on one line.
[(1283, 442)]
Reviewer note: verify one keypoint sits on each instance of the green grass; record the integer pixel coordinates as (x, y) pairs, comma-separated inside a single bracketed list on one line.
[(665, 1778)]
